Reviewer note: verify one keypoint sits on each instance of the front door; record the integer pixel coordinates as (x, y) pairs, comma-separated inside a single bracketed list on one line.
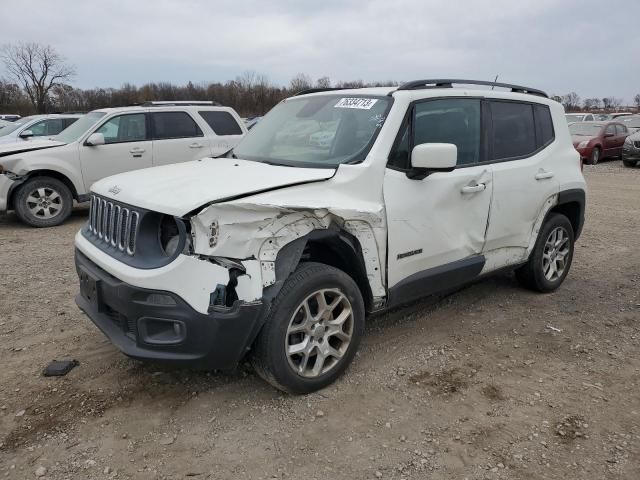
[(127, 147), (437, 225)]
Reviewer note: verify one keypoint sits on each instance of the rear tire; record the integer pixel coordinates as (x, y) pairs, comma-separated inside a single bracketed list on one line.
[(313, 330), (595, 156), (551, 258), (43, 202)]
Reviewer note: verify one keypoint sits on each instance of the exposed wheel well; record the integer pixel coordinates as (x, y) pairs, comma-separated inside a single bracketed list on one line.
[(333, 247), (573, 211), (337, 253), (45, 173)]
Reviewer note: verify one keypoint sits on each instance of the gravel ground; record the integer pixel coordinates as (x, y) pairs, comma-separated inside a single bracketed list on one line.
[(490, 382)]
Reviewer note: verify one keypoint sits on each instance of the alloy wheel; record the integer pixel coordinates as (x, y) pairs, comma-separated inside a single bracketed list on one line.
[(44, 202), (554, 256), (319, 333)]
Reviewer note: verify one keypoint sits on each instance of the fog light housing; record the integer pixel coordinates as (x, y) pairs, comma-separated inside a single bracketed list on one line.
[(161, 331)]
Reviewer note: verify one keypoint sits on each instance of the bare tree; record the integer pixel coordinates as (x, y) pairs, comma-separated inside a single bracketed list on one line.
[(616, 103), (611, 103), (38, 68), (323, 82), (571, 101), (636, 100), (591, 103), (300, 82)]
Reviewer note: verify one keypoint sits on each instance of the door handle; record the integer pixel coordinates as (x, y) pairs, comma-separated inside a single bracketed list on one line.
[(195, 145), (137, 150), (544, 175), (480, 187)]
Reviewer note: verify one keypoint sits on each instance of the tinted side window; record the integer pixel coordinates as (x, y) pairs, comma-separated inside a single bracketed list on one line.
[(124, 128), (611, 129), (544, 126), (54, 126), (174, 125), (69, 121), (222, 123), (621, 129), (513, 131)]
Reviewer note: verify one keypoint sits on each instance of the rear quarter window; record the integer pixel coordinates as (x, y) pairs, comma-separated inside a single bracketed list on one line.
[(544, 126), (222, 123)]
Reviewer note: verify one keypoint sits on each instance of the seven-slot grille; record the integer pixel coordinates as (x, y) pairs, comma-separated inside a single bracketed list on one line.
[(114, 224)]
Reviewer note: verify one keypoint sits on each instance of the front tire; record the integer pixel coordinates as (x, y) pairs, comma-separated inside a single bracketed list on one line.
[(551, 258), (595, 156), (312, 331), (629, 163), (43, 202)]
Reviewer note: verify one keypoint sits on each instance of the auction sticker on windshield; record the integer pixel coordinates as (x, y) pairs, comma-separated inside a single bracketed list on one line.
[(359, 103)]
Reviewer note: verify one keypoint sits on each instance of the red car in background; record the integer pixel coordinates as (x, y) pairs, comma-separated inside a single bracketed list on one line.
[(597, 140)]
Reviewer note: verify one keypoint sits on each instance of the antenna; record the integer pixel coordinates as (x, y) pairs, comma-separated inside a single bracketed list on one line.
[(494, 81)]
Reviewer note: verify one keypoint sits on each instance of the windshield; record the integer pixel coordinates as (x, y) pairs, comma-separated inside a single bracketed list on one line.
[(12, 127), (79, 127), (574, 118), (590, 129), (317, 131)]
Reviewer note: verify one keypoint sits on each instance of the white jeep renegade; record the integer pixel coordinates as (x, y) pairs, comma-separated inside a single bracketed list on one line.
[(41, 179), (338, 204)]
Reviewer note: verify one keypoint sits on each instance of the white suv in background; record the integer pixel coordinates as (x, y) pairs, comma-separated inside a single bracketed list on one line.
[(283, 248), (41, 179), (36, 126)]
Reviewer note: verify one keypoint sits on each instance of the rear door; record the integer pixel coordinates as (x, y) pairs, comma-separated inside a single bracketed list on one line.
[(127, 147), (521, 148), (177, 138), (226, 130)]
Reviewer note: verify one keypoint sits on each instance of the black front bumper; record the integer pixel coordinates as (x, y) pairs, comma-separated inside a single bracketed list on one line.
[(158, 325), (630, 155)]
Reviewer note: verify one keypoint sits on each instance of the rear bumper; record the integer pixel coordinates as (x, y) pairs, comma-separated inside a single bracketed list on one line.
[(158, 325)]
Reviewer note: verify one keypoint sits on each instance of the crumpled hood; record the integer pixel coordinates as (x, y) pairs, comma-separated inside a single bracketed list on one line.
[(577, 139), (181, 188), (31, 145)]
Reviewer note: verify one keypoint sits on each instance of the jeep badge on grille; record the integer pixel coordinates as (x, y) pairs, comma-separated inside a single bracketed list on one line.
[(115, 190)]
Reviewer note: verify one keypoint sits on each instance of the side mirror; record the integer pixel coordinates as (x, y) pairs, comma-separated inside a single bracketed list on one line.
[(26, 134), (428, 158), (94, 140)]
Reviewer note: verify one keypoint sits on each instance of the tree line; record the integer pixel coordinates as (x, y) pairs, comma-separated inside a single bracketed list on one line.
[(573, 103), (37, 80)]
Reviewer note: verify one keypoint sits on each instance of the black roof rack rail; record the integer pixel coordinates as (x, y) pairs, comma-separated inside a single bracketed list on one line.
[(448, 83), (178, 103), (326, 89)]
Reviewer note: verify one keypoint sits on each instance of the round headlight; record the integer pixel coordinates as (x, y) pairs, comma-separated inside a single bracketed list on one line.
[(169, 235)]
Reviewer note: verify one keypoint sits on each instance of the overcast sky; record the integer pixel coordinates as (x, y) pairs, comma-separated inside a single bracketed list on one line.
[(588, 46)]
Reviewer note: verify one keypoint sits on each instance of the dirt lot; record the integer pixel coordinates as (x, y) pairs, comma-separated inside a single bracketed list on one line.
[(490, 382)]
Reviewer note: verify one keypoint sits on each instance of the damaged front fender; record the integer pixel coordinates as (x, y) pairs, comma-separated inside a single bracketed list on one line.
[(256, 232)]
